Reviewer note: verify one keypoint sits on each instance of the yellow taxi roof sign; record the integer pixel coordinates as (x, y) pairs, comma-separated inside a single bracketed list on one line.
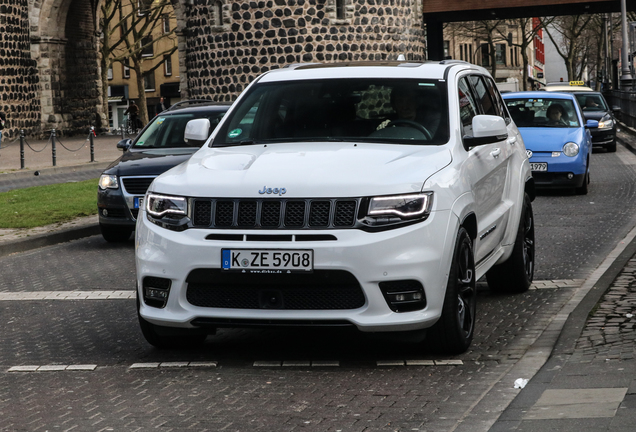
[(577, 83)]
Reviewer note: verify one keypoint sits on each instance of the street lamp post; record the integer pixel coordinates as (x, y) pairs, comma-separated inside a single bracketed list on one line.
[(626, 76)]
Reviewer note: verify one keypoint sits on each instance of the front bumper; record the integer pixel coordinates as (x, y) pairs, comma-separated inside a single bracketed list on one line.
[(603, 136), (420, 252)]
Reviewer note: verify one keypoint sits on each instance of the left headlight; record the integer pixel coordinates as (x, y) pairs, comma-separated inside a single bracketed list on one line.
[(387, 210), (606, 123), (108, 181), (160, 205), (571, 149)]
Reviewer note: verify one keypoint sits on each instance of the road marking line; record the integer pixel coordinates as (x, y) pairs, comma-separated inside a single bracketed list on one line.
[(67, 295), (52, 368)]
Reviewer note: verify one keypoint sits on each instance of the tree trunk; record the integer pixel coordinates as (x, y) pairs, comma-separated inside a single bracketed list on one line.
[(526, 62), (143, 108)]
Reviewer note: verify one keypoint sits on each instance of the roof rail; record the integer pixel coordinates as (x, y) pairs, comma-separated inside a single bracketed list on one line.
[(452, 61), (189, 102)]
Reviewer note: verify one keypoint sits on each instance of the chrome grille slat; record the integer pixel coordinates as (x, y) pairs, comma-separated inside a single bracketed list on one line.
[(281, 213)]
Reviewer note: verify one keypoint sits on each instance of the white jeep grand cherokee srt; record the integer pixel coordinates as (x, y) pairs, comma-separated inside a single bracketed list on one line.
[(371, 195)]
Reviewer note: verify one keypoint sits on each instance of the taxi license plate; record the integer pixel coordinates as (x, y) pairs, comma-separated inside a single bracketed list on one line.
[(268, 260), (138, 202), (539, 166)]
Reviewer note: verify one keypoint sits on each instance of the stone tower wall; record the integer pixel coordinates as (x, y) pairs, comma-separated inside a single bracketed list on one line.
[(224, 54), (19, 81)]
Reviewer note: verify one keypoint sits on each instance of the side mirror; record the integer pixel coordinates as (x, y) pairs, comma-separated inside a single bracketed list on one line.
[(197, 130), (487, 129), (124, 144), (591, 124)]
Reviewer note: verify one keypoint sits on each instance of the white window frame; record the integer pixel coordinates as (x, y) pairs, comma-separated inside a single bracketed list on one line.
[(167, 60)]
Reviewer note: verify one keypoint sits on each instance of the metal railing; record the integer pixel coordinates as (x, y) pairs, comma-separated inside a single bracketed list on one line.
[(627, 103), (53, 140)]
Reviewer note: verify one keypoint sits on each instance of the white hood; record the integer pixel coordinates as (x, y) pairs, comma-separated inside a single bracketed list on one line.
[(304, 170)]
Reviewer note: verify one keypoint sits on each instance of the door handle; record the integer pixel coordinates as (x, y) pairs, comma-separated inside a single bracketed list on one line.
[(495, 153), (512, 140)]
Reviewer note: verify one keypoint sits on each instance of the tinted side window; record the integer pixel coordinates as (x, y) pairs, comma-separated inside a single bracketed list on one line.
[(500, 106), (467, 107), (483, 96)]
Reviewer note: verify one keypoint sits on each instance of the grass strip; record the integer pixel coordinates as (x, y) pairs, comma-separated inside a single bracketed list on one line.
[(44, 205)]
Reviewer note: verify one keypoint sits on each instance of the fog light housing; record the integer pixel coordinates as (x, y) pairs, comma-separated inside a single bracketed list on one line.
[(404, 295), (156, 291), (570, 176)]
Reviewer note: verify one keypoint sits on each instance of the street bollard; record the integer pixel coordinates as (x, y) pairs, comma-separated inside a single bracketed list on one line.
[(53, 146), (21, 148), (90, 136)]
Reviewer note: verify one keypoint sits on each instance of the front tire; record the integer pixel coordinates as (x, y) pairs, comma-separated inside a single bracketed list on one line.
[(515, 275), (454, 331)]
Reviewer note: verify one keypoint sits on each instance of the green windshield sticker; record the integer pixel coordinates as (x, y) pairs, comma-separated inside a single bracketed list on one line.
[(235, 133), (139, 143)]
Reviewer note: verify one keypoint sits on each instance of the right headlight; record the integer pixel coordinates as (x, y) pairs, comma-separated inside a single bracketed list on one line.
[(159, 206), (571, 149), (388, 210), (108, 181)]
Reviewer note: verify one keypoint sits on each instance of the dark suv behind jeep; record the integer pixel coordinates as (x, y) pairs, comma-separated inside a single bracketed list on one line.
[(158, 147)]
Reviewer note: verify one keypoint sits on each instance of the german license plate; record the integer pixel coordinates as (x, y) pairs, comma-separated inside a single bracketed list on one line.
[(138, 202), (539, 166), (268, 260)]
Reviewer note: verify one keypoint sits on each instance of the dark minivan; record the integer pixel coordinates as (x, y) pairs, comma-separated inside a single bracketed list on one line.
[(158, 147)]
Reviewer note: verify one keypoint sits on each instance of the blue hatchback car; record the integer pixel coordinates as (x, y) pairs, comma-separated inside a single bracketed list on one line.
[(557, 138)]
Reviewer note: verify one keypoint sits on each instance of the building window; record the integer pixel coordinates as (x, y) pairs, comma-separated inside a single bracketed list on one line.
[(340, 9), (123, 28), (167, 65), (461, 52), (143, 6), (500, 54), (126, 69), (149, 81), (217, 12), (166, 23), (447, 54), (110, 72), (147, 48), (485, 55)]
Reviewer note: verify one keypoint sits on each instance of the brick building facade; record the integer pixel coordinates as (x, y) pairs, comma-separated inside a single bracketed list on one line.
[(49, 72)]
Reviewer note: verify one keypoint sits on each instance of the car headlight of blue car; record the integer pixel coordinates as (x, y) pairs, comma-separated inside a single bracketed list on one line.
[(571, 149)]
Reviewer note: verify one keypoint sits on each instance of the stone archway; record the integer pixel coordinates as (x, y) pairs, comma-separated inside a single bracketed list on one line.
[(64, 46)]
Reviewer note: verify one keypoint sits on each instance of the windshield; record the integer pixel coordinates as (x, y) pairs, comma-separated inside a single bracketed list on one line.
[(167, 131), (543, 112), (591, 102), (358, 110)]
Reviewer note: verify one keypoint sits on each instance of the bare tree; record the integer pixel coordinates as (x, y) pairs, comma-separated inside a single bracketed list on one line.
[(483, 30), (565, 33), (140, 24), (527, 31)]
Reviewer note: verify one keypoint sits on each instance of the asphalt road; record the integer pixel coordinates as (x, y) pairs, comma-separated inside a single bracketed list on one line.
[(297, 379)]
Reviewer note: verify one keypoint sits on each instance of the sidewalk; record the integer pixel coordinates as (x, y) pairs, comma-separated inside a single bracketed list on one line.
[(73, 151)]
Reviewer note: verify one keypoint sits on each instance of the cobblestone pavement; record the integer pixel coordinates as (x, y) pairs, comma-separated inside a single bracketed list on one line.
[(609, 332)]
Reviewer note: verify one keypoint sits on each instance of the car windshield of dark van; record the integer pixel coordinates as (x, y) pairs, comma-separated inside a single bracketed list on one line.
[(167, 131), (356, 110), (543, 112), (591, 102)]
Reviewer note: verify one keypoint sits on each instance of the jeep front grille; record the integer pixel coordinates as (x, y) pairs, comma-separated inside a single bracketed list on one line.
[(274, 213)]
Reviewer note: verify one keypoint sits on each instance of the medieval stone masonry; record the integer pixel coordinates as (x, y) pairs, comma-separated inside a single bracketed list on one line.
[(251, 37), (18, 72), (49, 72)]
